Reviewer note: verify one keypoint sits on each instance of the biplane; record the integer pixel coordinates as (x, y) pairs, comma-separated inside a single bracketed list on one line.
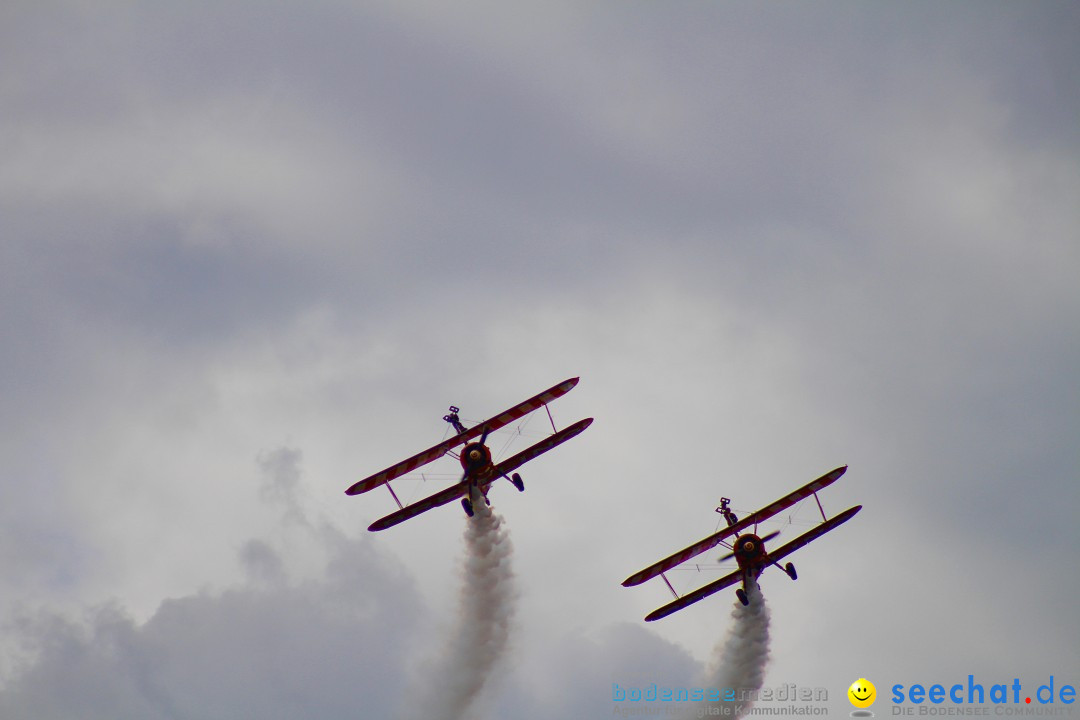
[(479, 470), (748, 549)]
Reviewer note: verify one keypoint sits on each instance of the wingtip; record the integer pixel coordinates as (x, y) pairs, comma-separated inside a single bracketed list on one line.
[(381, 524), (360, 486)]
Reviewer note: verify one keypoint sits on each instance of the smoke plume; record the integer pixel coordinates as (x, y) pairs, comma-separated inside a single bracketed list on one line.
[(740, 660), (455, 679)]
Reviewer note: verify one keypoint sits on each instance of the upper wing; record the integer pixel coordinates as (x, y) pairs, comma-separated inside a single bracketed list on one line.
[(752, 519), (443, 497), (514, 462), (830, 524), (434, 453), (690, 598)]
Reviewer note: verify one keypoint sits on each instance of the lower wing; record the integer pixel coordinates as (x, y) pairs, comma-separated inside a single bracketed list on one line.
[(443, 497), (807, 537), (690, 598), (514, 462)]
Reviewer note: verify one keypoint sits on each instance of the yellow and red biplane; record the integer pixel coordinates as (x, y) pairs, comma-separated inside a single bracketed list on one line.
[(479, 470), (748, 548)]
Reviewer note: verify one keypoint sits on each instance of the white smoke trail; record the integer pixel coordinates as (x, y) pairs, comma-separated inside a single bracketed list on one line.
[(740, 661), (454, 681)]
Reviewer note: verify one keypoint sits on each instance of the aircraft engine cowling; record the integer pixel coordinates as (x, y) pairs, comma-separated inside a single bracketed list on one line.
[(475, 457), (748, 547)]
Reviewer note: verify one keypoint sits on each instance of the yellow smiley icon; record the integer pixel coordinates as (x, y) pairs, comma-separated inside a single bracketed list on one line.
[(862, 693)]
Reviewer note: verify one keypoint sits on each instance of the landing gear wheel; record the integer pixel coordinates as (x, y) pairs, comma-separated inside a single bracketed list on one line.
[(741, 594), (790, 570), (467, 505), (518, 482)]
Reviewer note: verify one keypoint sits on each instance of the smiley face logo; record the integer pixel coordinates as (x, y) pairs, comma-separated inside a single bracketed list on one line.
[(862, 693)]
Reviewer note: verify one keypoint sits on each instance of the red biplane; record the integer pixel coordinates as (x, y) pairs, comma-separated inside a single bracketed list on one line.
[(475, 457), (748, 548)]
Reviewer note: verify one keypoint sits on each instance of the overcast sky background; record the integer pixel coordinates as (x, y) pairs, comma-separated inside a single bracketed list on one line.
[(250, 252)]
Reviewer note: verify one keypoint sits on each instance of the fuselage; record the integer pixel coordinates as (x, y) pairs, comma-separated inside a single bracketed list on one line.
[(476, 462), (750, 553)]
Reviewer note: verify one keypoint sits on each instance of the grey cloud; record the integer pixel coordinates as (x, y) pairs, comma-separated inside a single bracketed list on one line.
[(281, 478), (329, 646), (580, 684)]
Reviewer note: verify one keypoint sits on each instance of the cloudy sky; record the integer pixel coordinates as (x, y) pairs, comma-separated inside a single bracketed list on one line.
[(250, 252)]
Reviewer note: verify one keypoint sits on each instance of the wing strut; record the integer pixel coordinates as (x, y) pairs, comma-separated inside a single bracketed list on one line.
[(668, 583), (818, 501), (394, 495)]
